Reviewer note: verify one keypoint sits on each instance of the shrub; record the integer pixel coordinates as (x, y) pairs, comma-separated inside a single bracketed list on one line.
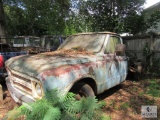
[(54, 107)]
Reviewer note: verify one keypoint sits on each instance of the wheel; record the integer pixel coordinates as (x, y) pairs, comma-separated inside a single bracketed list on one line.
[(82, 90)]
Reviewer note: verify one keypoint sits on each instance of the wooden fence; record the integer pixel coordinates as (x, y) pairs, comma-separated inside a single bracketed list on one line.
[(136, 44)]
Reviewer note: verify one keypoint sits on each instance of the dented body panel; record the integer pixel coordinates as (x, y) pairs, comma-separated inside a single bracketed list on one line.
[(63, 71)]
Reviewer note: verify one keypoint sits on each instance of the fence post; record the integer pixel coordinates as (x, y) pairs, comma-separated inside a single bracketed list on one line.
[(1, 93), (151, 48)]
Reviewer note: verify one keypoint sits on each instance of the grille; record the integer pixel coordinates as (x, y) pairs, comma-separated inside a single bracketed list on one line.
[(21, 83), (22, 87)]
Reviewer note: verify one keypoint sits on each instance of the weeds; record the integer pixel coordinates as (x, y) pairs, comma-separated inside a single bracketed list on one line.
[(112, 103), (141, 93), (125, 106), (106, 117), (135, 89), (149, 102), (153, 89)]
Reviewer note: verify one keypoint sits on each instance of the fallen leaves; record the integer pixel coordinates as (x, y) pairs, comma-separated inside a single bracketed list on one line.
[(72, 51)]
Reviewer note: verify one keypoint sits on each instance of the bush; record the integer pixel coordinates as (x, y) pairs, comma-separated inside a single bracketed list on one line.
[(54, 107)]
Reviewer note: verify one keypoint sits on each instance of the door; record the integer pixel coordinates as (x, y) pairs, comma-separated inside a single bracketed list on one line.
[(115, 65)]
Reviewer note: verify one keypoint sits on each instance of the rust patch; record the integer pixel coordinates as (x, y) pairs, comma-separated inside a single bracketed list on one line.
[(91, 71), (66, 69)]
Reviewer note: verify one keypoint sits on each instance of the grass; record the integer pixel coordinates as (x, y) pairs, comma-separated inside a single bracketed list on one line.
[(153, 89), (125, 106), (112, 103), (135, 89), (149, 102), (141, 93), (106, 117)]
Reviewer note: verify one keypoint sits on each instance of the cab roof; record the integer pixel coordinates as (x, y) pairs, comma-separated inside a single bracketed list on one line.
[(89, 33)]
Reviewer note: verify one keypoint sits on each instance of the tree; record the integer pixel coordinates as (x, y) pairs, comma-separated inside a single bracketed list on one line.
[(16, 20), (110, 14), (152, 21), (40, 17), (2, 22), (134, 24), (36, 17), (79, 18)]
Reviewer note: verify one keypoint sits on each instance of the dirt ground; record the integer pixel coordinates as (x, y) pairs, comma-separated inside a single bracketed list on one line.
[(123, 102)]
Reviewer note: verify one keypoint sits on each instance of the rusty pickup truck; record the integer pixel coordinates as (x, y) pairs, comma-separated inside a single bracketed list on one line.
[(86, 64)]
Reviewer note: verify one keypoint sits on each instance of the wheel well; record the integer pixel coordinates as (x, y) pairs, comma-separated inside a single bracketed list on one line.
[(91, 82)]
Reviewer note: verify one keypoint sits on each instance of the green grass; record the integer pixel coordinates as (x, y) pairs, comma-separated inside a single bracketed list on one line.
[(125, 106), (141, 93), (153, 89), (135, 89)]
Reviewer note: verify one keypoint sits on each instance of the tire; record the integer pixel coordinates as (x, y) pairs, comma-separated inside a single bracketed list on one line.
[(82, 90)]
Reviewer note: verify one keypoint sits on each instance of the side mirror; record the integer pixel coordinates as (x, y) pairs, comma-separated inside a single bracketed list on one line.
[(120, 49)]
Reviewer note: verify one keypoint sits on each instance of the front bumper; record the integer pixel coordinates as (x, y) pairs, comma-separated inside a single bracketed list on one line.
[(17, 95)]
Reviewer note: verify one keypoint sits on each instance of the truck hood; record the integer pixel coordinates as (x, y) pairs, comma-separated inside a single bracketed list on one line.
[(33, 65)]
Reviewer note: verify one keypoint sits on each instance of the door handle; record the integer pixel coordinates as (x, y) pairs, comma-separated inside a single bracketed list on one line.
[(126, 59)]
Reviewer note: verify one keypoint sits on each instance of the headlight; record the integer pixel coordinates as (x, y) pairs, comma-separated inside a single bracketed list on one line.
[(38, 89)]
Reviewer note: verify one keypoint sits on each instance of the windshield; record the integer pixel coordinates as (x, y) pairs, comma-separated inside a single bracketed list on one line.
[(34, 42), (89, 42), (19, 41)]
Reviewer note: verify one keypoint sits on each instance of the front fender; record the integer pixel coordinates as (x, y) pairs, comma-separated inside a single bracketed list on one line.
[(64, 77)]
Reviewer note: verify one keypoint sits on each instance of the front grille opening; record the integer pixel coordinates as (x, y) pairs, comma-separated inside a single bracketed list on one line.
[(22, 88), (22, 78)]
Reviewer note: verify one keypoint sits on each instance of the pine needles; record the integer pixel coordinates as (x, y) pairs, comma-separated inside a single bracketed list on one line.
[(54, 107)]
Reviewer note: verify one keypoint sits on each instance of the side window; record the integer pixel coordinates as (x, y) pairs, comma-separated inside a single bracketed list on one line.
[(111, 45)]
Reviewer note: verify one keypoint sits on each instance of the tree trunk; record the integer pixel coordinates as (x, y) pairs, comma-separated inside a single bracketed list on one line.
[(2, 23)]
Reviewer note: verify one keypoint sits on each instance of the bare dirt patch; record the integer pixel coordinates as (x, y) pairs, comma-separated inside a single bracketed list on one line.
[(123, 102), (7, 104)]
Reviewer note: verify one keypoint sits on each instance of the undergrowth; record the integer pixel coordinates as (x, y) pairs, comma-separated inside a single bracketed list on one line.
[(153, 89), (53, 107)]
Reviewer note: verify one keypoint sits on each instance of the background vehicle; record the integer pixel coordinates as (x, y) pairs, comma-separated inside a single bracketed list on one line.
[(6, 52), (51, 42)]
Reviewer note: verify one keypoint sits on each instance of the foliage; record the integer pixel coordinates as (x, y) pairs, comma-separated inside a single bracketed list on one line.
[(2, 22), (134, 23), (147, 53), (125, 106), (109, 15), (65, 17), (54, 107), (153, 20), (35, 17), (15, 25), (153, 89), (151, 64)]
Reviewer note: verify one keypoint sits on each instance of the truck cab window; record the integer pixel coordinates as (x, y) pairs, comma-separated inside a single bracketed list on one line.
[(111, 45)]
